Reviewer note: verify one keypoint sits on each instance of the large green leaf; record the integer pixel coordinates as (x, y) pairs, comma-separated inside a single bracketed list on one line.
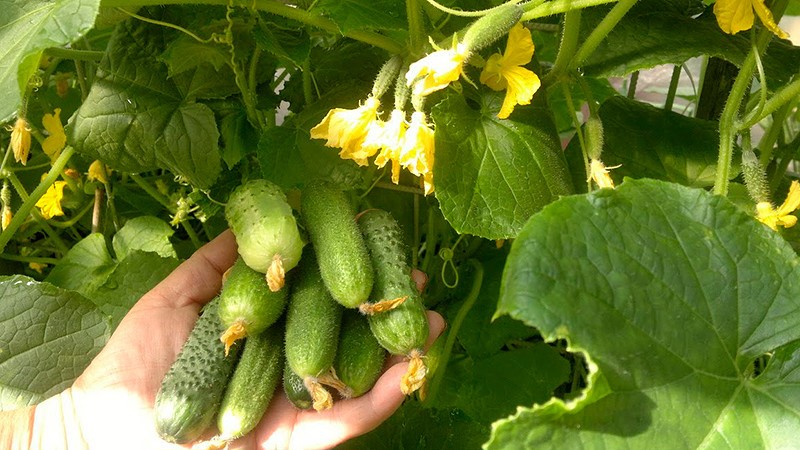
[(495, 173), (26, 28), (646, 37), (370, 14), (136, 119), (47, 337), (673, 294), (145, 233), (648, 142)]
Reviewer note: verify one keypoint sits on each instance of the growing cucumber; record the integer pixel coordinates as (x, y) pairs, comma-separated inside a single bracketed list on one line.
[(295, 390), (359, 357), (343, 259), (193, 387), (253, 383), (247, 305), (404, 329), (265, 229), (312, 330)]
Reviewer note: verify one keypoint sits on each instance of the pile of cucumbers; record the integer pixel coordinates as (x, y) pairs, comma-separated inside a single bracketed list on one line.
[(320, 317)]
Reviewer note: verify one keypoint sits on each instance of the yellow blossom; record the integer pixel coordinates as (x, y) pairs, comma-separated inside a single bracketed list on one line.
[(418, 148), (97, 172), (347, 128), (506, 72), (437, 70), (772, 217), (6, 219), (21, 140), (53, 144), (50, 202), (390, 142), (599, 173), (39, 267), (734, 16)]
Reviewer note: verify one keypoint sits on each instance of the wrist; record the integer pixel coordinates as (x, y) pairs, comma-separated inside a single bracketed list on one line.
[(16, 427)]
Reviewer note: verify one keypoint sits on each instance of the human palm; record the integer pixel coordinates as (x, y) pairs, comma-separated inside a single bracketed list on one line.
[(110, 406)]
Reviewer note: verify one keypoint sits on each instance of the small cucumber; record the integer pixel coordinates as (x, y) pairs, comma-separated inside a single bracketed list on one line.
[(312, 330), (295, 390), (253, 383), (343, 258), (404, 329), (265, 229), (359, 358), (193, 387), (247, 305)]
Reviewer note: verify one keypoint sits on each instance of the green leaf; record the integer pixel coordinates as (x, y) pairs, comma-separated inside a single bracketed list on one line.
[(414, 427), (672, 293), (26, 28), (145, 233), (648, 142), (646, 37), (490, 174), (47, 338), (285, 43), (238, 137), (135, 119), (84, 267), (352, 15)]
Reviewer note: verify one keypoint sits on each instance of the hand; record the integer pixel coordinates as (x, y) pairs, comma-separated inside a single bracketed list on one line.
[(110, 406)]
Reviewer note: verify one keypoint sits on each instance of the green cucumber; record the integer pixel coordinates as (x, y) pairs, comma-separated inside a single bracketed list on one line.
[(193, 387), (265, 229), (359, 357), (343, 258), (247, 305), (312, 330), (295, 390), (404, 329), (253, 383)]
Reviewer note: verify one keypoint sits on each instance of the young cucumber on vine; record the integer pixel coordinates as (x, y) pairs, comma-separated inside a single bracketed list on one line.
[(192, 389), (344, 263), (402, 330), (313, 320), (247, 306)]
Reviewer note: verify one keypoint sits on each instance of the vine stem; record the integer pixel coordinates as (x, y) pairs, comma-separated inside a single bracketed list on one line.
[(669, 102), (30, 203), (784, 95), (452, 333), (275, 7), (416, 25), (600, 32), (77, 55), (568, 46), (537, 9)]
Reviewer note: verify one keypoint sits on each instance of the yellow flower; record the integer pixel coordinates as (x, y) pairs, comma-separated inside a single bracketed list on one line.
[(506, 72), (734, 16), (50, 202), (97, 172), (390, 142), (39, 267), (347, 128), (772, 217), (418, 148), (599, 173), (21, 140), (7, 216), (53, 144), (437, 70)]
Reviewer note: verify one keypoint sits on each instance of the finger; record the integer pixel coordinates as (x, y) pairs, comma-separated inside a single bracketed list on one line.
[(198, 279)]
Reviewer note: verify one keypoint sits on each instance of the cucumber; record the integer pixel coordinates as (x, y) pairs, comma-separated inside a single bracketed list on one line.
[(343, 259), (265, 229), (193, 387), (295, 390), (359, 357), (312, 330), (247, 305), (253, 383), (404, 329)]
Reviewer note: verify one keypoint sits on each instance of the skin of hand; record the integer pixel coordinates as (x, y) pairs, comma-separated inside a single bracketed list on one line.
[(111, 404)]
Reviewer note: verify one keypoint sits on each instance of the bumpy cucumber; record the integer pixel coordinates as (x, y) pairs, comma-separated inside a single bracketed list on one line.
[(295, 390), (343, 258), (312, 330), (265, 229), (247, 305), (404, 329), (192, 389), (253, 383), (359, 357)]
